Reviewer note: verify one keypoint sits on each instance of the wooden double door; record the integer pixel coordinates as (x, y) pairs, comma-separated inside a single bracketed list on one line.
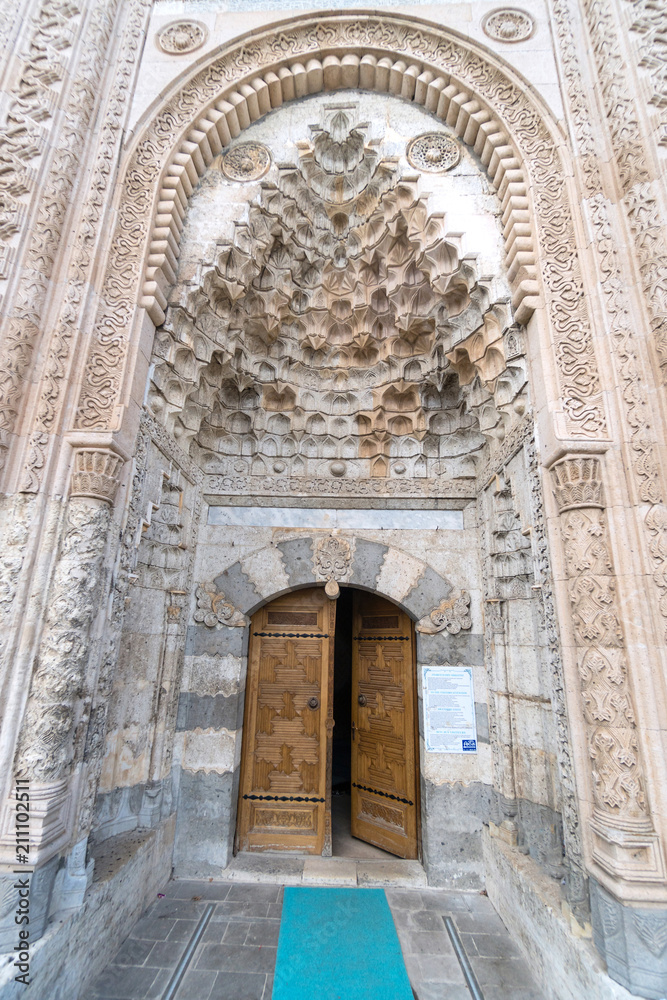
[(286, 767)]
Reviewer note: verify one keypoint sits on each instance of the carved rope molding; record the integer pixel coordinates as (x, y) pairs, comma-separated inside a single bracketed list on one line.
[(624, 843), (415, 62)]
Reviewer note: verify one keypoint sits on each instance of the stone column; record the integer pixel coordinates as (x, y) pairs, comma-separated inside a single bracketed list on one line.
[(55, 717), (623, 840)]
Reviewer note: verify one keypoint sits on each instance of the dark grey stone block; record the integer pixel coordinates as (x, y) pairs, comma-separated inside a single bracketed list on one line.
[(632, 941), (465, 649), (196, 711), (205, 823), (133, 951), (125, 982), (124, 809), (432, 942), (264, 932), (154, 928), (234, 959), (454, 815), (238, 986), (182, 930), (541, 831), (236, 932), (254, 893), (367, 563), (443, 969), (298, 561), (425, 920), (196, 983), (429, 590), (183, 888), (165, 954), (482, 721), (40, 885), (490, 945), (238, 588), (200, 640), (214, 891), (238, 909), (506, 973), (177, 909)]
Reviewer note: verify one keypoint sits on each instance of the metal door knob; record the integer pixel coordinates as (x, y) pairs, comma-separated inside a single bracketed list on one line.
[(362, 700), (313, 702)]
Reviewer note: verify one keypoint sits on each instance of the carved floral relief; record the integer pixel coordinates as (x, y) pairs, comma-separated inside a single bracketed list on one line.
[(451, 616), (619, 783), (214, 609)]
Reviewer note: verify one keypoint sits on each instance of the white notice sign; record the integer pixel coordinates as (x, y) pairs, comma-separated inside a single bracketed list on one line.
[(449, 710)]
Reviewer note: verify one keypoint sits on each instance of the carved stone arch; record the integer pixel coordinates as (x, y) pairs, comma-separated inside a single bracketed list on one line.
[(364, 568), (484, 101)]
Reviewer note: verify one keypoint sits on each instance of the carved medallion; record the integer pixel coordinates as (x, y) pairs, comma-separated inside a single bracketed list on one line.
[(332, 559), (434, 152), (181, 37), (509, 24), (246, 162)]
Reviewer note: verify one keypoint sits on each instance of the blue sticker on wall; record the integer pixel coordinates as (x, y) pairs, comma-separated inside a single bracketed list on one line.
[(469, 745)]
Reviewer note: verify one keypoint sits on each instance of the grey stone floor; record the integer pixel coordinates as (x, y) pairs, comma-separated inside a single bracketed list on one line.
[(236, 957)]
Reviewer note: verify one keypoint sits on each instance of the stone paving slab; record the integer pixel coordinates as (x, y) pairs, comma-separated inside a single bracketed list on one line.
[(236, 957)]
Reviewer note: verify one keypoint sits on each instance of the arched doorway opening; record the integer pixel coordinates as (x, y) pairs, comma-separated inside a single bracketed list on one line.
[(330, 755)]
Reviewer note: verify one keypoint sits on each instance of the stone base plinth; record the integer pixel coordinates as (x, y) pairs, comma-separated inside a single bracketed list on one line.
[(567, 965), (129, 871)]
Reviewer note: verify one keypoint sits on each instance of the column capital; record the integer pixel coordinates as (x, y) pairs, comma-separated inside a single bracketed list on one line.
[(577, 482), (95, 473)]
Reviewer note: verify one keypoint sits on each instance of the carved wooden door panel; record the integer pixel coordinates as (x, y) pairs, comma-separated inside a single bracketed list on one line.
[(285, 801), (384, 780)]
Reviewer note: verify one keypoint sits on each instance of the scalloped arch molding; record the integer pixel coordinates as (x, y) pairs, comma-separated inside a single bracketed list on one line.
[(486, 104)]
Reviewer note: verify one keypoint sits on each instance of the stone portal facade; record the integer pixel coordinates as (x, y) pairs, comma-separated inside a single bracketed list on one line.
[(298, 298)]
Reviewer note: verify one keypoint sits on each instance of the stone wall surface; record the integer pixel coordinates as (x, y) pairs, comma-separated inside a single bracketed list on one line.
[(301, 295)]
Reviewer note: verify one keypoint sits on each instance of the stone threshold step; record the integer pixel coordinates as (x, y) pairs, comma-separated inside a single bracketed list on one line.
[(308, 870)]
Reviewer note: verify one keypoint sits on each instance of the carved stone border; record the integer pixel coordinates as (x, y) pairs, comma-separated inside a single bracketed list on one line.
[(485, 106)]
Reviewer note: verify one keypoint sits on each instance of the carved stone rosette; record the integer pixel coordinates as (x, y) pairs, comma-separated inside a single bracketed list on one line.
[(508, 24), (434, 152), (624, 842), (181, 37), (246, 162)]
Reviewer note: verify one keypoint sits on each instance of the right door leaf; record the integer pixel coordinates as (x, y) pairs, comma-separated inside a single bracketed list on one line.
[(384, 781)]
